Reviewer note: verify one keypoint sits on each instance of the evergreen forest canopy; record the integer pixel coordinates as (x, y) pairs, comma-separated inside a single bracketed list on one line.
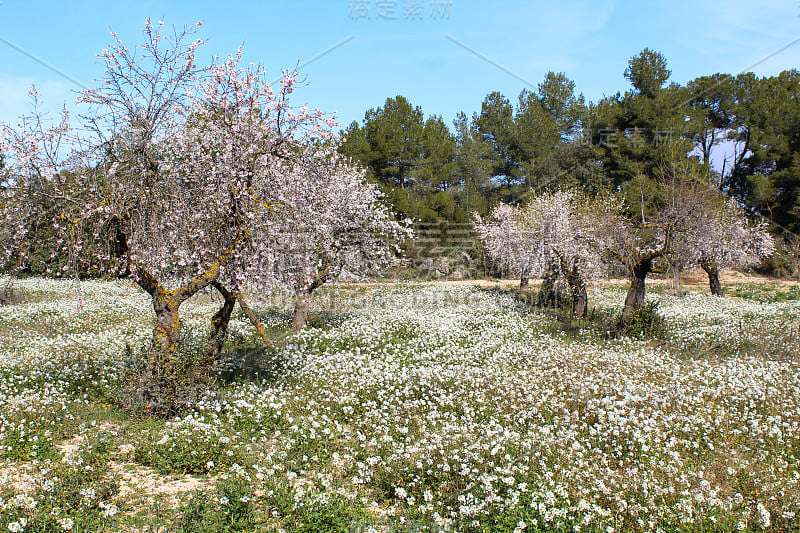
[(553, 139)]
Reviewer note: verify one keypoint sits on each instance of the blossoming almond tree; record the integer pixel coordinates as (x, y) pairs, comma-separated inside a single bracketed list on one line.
[(638, 242), (331, 219), (31, 185), (507, 242), (336, 222), (636, 247), (187, 169), (724, 238), (561, 232), (685, 221)]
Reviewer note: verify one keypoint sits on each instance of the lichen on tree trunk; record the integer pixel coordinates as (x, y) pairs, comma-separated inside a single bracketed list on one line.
[(166, 333)]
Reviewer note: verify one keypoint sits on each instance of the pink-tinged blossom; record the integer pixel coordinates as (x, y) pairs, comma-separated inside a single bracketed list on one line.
[(196, 173), (557, 231), (724, 236)]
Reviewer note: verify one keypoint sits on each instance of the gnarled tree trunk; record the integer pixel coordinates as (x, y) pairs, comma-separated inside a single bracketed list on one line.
[(634, 301), (580, 301), (711, 268), (167, 331), (303, 296), (301, 304), (220, 321)]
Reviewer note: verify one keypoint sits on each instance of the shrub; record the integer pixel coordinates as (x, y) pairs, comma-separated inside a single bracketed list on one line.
[(11, 296), (645, 323), (144, 390)]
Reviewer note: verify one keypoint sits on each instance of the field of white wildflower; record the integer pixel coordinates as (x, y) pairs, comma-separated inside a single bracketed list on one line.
[(411, 408)]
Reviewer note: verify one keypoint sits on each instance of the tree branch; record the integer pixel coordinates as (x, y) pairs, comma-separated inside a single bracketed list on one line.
[(254, 320), (203, 280)]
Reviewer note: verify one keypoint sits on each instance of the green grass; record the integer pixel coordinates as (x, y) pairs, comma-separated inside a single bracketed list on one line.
[(765, 292)]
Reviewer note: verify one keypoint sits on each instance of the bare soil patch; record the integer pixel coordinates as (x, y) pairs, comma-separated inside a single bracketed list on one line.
[(140, 485)]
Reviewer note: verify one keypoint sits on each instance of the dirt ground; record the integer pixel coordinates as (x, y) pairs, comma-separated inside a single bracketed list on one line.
[(691, 280)]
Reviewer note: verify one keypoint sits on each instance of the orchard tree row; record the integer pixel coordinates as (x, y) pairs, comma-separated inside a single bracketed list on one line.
[(572, 236), (552, 138)]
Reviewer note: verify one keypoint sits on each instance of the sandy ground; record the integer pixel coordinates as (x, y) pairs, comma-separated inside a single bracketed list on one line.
[(140, 487), (690, 279)]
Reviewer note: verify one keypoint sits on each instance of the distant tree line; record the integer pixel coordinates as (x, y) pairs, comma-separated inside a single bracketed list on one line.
[(553, 139)]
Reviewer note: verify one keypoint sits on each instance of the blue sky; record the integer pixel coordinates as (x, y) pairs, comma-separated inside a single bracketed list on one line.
[(408, 47)]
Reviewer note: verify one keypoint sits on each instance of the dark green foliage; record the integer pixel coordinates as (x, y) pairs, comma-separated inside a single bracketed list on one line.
[(431, 174), (785, 262), (639, 134), (413, 159), (766, 171), (496, 127), (390, 142), (647, 72), (710, 100), (572, 165)]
